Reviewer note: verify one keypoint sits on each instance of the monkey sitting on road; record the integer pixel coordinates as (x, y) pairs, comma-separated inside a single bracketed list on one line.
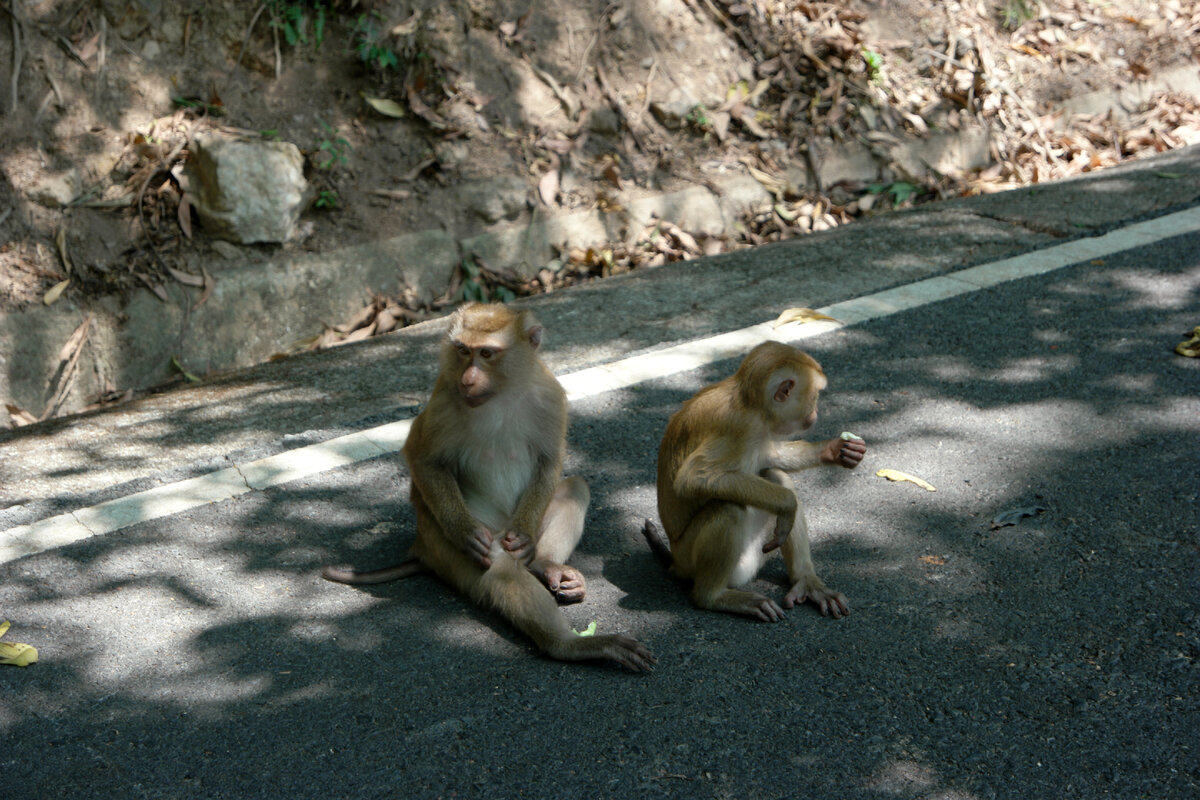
[(724, 495), (495, 519)]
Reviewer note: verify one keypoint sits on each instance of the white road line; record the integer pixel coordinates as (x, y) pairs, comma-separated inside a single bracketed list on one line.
[(303, 462)]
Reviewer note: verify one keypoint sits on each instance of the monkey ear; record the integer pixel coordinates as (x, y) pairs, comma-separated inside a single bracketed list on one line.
[(534, 334), (784, 389)]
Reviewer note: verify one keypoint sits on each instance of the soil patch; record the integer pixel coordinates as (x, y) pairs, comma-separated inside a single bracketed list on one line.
[(466, 114)]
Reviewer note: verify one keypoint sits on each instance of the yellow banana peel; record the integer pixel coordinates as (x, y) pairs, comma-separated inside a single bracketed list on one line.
[(1190, 346), (15, 653), (897, 475)]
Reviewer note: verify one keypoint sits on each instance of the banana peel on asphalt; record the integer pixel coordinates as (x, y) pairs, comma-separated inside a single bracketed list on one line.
[(15, 653), (897, 475), (1190, 346)]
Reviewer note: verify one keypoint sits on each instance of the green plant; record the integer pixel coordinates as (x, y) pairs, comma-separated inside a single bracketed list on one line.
[(334, 149), (898, 190), (698, 117), (370, 43), (474, 286), (327, 199), (293, 19), (1015, 13), (874, 63)]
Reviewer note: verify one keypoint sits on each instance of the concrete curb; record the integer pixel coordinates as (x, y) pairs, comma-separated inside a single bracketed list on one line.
[(134, 344)]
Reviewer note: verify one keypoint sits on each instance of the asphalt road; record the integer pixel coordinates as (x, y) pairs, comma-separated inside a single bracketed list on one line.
[(201, 655)]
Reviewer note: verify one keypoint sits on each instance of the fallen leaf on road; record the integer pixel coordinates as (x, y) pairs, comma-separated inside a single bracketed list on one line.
[(802, 315), (17, 654), (897, 475), (1015, 515), (1189, 347), (937, 561)]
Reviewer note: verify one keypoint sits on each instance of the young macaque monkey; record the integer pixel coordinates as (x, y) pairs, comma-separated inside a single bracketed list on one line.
[(724, 493), (495, 519)]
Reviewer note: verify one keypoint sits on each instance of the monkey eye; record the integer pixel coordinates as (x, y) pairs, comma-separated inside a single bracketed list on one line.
[(486, 353), (463, 350)]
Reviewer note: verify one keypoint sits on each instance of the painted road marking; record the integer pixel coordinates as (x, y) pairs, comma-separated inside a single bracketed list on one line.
[(304, 462)]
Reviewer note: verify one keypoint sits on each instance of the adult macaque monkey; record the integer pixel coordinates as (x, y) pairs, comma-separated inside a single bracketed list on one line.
[(724, 495), (495, 519)]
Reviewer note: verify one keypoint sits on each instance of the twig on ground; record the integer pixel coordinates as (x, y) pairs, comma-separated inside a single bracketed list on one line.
[(246, 40), (18, 55)]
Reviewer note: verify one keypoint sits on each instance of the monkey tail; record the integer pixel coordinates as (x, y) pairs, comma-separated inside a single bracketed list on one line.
[(658, 543), (407, 568)]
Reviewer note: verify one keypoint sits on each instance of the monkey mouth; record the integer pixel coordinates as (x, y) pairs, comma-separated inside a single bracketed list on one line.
[(476, 400)]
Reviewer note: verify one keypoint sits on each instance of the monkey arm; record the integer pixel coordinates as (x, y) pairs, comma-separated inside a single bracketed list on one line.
[(795, 456), (704, 476), (527, 518), (439, 490)]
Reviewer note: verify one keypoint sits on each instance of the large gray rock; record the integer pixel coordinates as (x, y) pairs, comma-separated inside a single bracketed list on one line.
[(247, 191)]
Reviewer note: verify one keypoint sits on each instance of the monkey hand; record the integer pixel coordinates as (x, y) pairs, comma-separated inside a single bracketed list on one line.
[(519, 546), (843, 452), (811, 589), (784, 524), (479, 546), (564, 582), (783, 527)]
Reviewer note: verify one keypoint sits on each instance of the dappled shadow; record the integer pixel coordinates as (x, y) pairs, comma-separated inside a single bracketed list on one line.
[(202, 650)]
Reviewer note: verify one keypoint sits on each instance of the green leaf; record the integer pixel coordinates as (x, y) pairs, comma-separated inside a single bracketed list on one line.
[(179, 367)]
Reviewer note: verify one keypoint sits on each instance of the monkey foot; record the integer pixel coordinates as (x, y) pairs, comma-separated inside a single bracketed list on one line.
[(564, 582)]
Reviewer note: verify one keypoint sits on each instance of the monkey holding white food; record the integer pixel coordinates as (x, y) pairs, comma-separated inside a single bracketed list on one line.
[(724, 494)]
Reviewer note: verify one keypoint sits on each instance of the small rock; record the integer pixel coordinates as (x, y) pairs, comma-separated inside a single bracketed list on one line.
[(495, 199), (603, 120), (672, 113), (226, 250), (56, 191), (247, 191)]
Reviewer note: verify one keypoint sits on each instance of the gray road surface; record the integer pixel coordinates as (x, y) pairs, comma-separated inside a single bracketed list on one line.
[(200, 655)]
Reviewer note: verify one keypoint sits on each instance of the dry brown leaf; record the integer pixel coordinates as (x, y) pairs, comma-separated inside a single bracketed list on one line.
[(65, 370), (389, 108), (186, 278), (425, 112), (60, 240), (408, 27), (360, 319), (612, 173), (548, 188), (55, 291), (772, 184), (936, 561), (19, 417), (153, 286), (359, 335), (184, 212), (209, 283)]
